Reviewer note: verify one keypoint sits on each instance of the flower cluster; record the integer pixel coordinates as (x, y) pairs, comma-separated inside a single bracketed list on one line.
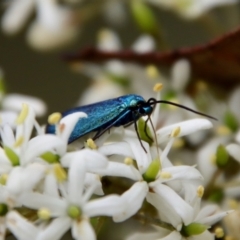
[(48, 187), (59, 23)]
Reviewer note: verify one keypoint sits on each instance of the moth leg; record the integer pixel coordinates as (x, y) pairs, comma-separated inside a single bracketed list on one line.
[(97, 135), (135, 126), (101, 132)]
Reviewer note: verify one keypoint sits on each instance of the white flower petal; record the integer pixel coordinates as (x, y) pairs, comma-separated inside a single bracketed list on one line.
[(187, 127), (119, 148), (7, 136), (16, 16), (56, 206), (105, 206), (4, 159), (172, 200), (83, 230), (145, 43), (167, 213), (69, 123), (180, 74), (143, 159), (76, 173), (108, 41), (92, 179), (55, 229), (120, 170), (214, 218), (51, 186), (21, 228), (207, 211), (182, 173), (36, 147), (14, 183), (35, 172), (204, 158), (27, 126), (14, 102), (133, 199), (8, 117), (234, 150), (93, 159)]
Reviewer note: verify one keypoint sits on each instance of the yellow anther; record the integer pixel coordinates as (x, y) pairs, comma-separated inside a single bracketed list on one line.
[(19, 142), (223, 130), (128, 161), (54, 118), (3, 179), (60, 173), (175, 132), (213, 159), (178, 143), (157, 87), (165, 175), (152, 72), (44, 214), (219, 232), (200, 191), (233, 204), (23, 114), (91, 144)]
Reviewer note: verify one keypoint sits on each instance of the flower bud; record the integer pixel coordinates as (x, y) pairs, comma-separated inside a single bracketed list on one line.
[(222, 157), (152, 171), (193, 229), (144, 135)]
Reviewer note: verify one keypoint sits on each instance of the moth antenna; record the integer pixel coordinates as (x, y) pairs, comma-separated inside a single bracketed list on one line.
[(153, 101)]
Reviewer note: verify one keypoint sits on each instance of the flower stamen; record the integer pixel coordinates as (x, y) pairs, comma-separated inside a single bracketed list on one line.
[(23, 114), (44, 214), (60, 173), (54, 118)]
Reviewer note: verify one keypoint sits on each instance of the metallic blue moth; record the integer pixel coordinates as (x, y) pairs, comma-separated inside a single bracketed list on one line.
[(121, 111)]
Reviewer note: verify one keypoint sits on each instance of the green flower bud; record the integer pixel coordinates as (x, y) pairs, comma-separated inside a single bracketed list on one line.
[(222, 156), (193, 229), (144, 135), (152, 171), (230, 121), (3, 209), (144, 16), (74, 211), (12, 156), (50, 157)]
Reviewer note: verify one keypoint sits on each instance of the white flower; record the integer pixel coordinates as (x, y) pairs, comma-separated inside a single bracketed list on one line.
[(53, 21), (167, 178), (14, 102), (20, 227), (73, 208), (198, 220)]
